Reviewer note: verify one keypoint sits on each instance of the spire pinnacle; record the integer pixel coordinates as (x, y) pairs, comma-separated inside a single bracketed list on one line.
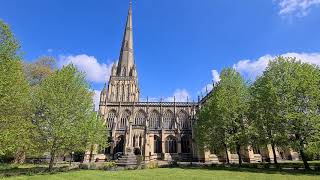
[(126, 59)]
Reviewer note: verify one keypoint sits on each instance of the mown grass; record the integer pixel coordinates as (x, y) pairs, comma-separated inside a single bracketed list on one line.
[(173, 174)]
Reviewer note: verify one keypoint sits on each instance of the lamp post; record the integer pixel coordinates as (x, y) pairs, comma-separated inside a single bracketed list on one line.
[(71, 158)]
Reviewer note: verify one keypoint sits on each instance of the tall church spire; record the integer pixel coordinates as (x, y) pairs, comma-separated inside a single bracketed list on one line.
[(123, 83), (126, 60)]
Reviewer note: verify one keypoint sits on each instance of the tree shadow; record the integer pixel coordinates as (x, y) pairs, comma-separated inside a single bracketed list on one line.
[(16, 171), (294, 172)]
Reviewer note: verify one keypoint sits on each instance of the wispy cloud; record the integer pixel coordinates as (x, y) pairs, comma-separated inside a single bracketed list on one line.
[(298, 8), (180, 95)]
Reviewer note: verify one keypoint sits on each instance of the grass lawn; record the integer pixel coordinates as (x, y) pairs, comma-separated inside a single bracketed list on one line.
[(169, 173)]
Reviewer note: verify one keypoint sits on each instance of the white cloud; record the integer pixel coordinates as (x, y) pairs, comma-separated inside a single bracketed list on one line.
[(253, 68), (215, 76), (297, 8), (49, 50), (96, 99), (207, 88), (180, 95), (95, 72)]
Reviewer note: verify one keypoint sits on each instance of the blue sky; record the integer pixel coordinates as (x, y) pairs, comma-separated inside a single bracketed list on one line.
[(180, 46)]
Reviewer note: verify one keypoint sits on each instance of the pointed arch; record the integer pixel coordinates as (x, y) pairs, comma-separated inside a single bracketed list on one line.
[(111, 117), (171, 144), (157, 144), (186, 144), (140, 118), (125, 116), (154, 120), (183, 119), (168, 119)]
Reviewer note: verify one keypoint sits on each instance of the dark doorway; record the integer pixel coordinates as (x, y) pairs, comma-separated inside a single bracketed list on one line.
[(157, 144), (171, 144), (120, 144), (185, 144), (137, 151)]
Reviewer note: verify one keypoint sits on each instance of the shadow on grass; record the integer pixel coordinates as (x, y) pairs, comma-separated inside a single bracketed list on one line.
[(257, 170), (16, 171)]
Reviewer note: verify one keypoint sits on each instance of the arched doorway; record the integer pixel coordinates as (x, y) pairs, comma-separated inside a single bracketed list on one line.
[(157, 144), (185, 144), (171, 144), (119, 144)]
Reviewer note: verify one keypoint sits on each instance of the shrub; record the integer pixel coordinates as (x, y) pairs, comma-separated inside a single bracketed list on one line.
[(87, 166), (173, 164), (84, 166), (152, 165), (109, 165)]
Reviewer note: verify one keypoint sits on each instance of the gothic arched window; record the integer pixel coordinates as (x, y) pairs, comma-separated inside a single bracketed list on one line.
[(171, 144), (154, 120), (123, 71), (157, 144), (168, 120), (184, 120), (124, 119), (140, 118), (110, 118)]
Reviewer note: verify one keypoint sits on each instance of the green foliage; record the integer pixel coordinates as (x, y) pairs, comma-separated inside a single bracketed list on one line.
[(15, 112), (109, 165), (64, 117), (285, 105), (222, 121), (152, 165), (9, 46), (94, 132)]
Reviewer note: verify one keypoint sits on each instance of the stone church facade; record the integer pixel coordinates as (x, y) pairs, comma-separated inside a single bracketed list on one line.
[(156, 130)]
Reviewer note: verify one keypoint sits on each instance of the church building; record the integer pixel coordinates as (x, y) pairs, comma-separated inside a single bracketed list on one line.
[(156, 130)]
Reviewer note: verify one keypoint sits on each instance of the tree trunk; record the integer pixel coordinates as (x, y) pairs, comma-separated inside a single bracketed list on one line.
[(303, 156), (52, 154), (227, 156), (304, 159), (239, 154), (274, 153), (91, 153)]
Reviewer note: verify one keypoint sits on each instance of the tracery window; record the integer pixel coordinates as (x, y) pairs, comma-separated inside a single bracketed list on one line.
[(154, 120), (110, 118), (124, 119), (168, 120), (184, 120), (140, 118)]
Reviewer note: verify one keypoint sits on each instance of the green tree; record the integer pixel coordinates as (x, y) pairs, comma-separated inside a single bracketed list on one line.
[(223, 120), (95, 134), (302, 111), (286, 105), (64, 110), (268, 125), (211, 128), (15, 112)]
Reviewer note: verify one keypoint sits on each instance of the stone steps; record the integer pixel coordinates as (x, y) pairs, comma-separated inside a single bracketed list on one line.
[(127, 161)]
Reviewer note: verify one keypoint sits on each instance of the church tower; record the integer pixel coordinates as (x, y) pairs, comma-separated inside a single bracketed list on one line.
[(123, 83)]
